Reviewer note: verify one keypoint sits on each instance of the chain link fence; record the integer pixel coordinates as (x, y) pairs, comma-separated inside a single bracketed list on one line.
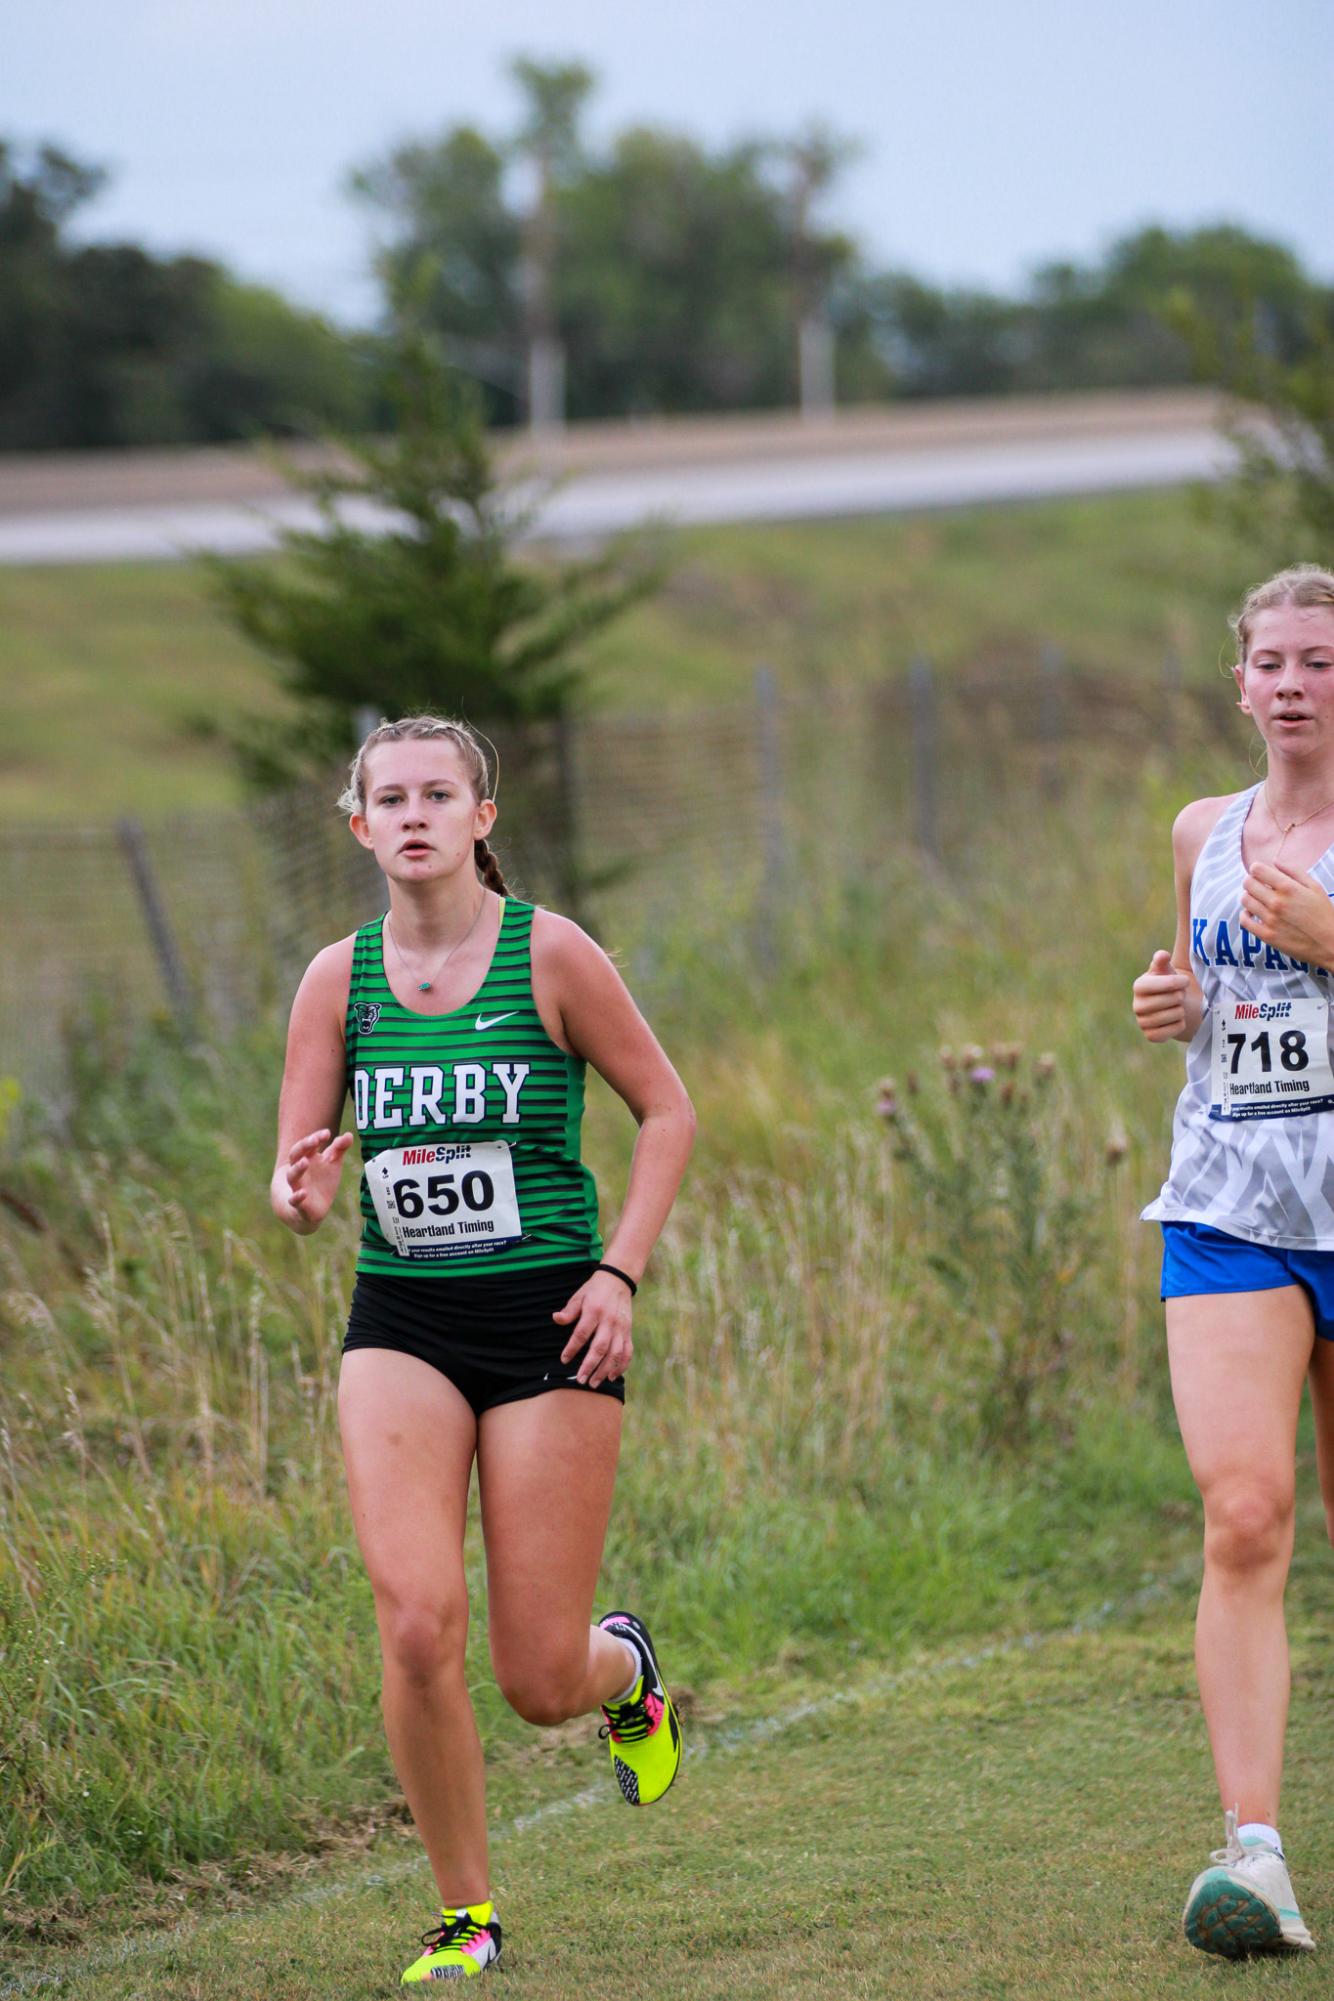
[(624, 821)]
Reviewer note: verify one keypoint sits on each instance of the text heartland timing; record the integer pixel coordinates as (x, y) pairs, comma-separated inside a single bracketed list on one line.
[(1247, 951), (414, 1094)]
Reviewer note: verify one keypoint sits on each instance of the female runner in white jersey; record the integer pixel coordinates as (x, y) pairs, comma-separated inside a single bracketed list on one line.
[(1248, 1219), (487, 1323)]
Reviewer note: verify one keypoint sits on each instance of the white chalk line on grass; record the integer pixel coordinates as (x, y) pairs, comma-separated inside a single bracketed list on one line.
[(736, 1737)]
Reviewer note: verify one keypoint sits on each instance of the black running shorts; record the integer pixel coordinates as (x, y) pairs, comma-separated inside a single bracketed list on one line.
[(494, 1338)]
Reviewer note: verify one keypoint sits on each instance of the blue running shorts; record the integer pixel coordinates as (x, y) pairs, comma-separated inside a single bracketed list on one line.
[(1199, 1259)]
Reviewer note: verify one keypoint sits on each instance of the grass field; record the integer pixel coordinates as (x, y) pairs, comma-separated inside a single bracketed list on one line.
[(107, 671), (846, 1439), (859, 1459), (1015, 1819)]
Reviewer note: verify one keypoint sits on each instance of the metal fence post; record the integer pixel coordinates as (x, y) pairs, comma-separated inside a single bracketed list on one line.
[(134, 846), (572, 882), (925, 758), (364, 720), (1171, 697), (773, 858), (1051, 719)]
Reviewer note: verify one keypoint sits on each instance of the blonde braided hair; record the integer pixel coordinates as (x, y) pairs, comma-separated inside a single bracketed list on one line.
[(352, 798)]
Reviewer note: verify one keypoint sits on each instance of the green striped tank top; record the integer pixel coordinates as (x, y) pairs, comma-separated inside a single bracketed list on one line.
[(469, 1123)]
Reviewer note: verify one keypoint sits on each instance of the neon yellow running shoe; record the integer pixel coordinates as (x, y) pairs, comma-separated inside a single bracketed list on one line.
[(644, 1731), (465, 1942)]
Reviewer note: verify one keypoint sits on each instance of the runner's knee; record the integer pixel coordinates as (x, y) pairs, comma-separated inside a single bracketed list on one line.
[(422, 1638), (1247, 1524), (545, 1687)]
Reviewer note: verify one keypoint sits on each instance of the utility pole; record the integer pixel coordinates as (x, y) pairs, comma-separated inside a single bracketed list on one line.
[(550, 142), (816, 159), (815, 365)]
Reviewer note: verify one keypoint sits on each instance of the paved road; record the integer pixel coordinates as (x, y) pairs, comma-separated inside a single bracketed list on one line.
[(861, 471)]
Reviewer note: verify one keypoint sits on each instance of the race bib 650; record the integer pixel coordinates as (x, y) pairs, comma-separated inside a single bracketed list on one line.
[(441, 1201)]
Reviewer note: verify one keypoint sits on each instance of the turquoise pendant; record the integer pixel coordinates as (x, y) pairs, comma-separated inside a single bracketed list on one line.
[(424, 987)]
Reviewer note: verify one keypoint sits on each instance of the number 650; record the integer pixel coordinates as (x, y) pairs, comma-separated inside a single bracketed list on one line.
[(476, 1189)]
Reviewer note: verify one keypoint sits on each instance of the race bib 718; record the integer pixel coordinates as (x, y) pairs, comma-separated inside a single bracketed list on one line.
[(1270, 1059)]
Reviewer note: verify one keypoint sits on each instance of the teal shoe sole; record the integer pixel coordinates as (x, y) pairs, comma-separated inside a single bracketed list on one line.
[(1226, 1919)]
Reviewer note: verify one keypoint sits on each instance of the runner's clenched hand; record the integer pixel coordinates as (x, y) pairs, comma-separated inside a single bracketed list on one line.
[(601, 1313), (1288, 909), (1158, 999)]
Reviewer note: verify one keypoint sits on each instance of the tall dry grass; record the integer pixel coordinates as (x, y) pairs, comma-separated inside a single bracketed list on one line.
[(897, 1376)]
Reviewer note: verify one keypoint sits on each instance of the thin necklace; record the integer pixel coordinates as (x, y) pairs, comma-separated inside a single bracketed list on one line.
[(1283, 831), (424, 986)]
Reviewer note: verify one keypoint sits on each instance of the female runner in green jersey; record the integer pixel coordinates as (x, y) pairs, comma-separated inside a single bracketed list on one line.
[(487, 1323)]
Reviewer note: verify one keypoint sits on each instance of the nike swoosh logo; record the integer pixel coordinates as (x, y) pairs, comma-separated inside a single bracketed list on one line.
[(485, 1021)]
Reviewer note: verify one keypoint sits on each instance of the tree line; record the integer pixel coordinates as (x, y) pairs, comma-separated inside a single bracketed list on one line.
[(651, 275), (104, 344)]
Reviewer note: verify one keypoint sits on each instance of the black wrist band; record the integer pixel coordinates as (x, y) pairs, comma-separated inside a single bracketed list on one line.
[(616, 1272)]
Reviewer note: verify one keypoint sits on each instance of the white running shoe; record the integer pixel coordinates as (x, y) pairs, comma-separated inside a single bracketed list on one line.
[(1244, 1903)]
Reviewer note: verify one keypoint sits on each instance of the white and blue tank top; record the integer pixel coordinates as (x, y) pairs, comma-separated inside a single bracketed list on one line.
[(1266, 1178)]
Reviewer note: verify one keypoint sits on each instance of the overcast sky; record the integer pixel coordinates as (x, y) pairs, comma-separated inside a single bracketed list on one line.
[(996, 135)]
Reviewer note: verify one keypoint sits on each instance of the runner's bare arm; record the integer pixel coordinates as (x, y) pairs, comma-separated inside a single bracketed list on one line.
[(586, 1008), (600, 1022), (310, 1106), (1166, 999)]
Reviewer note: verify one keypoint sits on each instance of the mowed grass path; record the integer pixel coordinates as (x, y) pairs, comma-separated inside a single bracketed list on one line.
[(1023, 1821)]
